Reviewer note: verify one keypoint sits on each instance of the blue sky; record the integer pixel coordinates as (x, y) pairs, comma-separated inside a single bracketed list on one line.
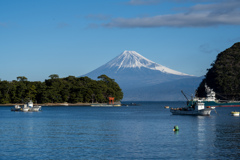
[(74, 37)]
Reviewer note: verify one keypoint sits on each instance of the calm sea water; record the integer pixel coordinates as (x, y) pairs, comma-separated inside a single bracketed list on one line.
[(133, 132)]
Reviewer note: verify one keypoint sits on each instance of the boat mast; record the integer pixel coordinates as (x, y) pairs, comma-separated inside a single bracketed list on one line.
[(185, 97)]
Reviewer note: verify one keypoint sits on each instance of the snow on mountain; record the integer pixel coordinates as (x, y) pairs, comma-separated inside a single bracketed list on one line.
[(132, 70), (143, 79), (132, 59)]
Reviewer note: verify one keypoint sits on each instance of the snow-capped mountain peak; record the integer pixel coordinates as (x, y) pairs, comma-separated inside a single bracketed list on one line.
[(132, 59), (136, 74)]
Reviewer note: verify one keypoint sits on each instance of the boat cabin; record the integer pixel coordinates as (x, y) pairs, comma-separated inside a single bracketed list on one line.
[(199, 106)]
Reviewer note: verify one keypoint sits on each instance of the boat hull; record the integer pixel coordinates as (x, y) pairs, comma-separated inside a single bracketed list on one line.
[(35, 109), (235, 113), (25, 109), (16, 109), (218, 104), (204, 112)]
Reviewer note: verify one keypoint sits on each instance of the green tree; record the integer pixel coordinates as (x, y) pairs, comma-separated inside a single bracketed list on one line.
[(70, 89), (54, 76), (21, 78)]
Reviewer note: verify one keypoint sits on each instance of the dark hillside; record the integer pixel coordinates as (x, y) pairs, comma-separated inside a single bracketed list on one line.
[(224, 76)]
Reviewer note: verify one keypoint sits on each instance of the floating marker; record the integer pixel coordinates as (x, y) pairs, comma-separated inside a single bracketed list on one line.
[(176, 128)]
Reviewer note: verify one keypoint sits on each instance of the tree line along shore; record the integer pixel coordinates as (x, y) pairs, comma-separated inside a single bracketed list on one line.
[(51, 104), (70, 91)]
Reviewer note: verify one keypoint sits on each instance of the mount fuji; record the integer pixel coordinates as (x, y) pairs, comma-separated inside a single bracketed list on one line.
[(132, 71)]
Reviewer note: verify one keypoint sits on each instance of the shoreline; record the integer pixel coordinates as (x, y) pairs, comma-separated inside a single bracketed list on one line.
[(58, 104), (53, 104)]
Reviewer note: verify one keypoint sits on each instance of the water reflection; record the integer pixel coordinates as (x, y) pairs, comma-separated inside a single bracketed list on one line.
[(227, 141), (142, 132)]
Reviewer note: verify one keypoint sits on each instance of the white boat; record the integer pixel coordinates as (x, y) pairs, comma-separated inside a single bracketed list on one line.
[(197, 108), (213, 107), (235, 113), (36, 108), (16, 108), (25, 108), (33, 108), (210, 100), (29, 107)]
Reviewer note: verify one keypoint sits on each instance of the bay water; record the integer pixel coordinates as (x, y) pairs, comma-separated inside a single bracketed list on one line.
[(144, 131)]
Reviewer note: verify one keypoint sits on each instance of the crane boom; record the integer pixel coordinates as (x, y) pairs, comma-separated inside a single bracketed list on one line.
[(184, 95)]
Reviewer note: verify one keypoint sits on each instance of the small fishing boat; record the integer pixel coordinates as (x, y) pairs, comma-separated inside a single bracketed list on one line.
[(210, 100), (166, 107), (16, 108), (198, 108), (235, 113), (25, 108), (33, 108), (28, 107)]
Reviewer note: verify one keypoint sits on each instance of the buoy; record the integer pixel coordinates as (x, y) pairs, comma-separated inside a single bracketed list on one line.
[(176, 128)]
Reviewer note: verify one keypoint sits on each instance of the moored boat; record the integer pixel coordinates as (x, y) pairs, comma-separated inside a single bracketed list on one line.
[(33, 108), (210, 100), (198, 108), (28, 107), (25, 108), (16, 108), (235, 113)]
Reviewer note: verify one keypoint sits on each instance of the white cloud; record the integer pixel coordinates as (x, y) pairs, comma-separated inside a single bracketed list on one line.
[(201, 15), (177, 20)]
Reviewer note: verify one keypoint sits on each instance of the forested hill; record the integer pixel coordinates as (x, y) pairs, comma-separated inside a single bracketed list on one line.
[(224, 76), (58, 90)]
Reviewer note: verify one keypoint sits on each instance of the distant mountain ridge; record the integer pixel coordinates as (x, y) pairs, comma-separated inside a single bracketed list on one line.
[(133, 71), (166, 91)]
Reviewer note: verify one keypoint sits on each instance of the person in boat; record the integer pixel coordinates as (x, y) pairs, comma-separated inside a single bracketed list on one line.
[(193, 106)]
